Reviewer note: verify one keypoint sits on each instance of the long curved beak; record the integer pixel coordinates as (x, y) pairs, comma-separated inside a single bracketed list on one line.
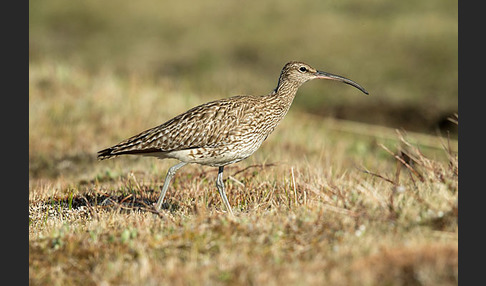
[(325, 75)]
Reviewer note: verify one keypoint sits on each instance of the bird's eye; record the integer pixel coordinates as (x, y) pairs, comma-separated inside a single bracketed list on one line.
[(303, 69)]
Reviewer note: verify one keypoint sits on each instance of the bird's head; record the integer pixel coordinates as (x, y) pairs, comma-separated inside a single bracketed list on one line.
[(298, 73)]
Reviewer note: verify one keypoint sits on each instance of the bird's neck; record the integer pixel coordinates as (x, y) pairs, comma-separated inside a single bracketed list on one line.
[(281, 98), (285, 92)]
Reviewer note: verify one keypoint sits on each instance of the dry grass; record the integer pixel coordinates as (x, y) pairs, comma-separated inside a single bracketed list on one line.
[(323, 202), (316, 205)]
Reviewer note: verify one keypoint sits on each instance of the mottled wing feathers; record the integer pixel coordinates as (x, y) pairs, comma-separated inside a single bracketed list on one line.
[(208, 125)]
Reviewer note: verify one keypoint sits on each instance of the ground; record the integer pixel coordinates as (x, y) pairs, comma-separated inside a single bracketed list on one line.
[(324, 201)]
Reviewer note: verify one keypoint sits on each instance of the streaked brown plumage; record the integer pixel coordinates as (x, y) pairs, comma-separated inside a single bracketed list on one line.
[(221, 132)]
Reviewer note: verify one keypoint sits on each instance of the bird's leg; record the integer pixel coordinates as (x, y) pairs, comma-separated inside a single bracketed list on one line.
[(168, 178), (220, 186)]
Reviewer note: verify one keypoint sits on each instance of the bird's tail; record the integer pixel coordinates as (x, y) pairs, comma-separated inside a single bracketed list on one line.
[(106, 153), (117, 150)]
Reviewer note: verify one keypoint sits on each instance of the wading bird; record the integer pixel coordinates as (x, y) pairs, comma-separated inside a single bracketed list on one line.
[(221, 132)]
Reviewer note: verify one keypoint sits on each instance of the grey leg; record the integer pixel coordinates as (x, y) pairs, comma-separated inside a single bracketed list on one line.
[(170, 175), (220, 186)]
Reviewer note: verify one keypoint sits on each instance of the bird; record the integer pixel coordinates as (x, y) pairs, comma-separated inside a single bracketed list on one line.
[(221, 132)]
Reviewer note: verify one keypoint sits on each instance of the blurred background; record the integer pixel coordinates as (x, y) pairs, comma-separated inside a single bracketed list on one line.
[(404, 53)]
